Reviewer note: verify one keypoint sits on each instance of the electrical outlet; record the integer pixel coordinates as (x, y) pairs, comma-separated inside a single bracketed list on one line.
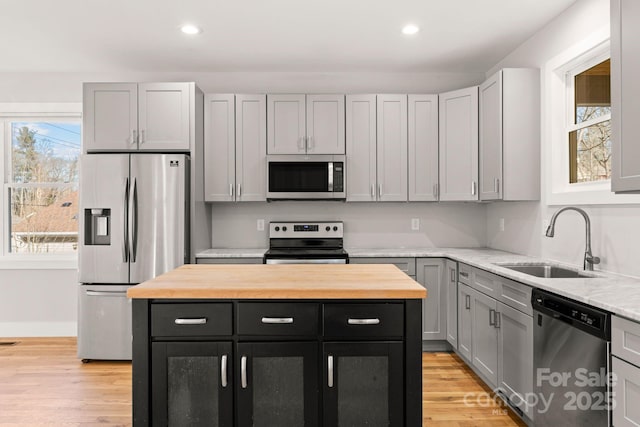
[(501, 224), (415, 224), (260, 225)]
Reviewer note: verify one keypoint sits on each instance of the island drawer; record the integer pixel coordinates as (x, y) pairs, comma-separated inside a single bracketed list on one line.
[(363, 320), (265, 318), (191, 319)]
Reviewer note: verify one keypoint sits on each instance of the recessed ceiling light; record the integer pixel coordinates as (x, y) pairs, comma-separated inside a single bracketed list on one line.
[(410, 29), (190, 29)]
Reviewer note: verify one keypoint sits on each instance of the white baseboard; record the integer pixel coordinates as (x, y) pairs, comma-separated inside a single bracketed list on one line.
[(38, 329)]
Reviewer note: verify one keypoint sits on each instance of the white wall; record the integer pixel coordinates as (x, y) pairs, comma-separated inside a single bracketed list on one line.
[(367, 225), (67, 87), (43, 302), (38, 303), (615, 228)]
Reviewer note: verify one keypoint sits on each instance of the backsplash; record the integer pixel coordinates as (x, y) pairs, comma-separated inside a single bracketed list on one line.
[(367, 225)]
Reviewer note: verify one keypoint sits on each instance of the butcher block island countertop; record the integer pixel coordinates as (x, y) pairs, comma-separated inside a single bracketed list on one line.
[(286, 281)]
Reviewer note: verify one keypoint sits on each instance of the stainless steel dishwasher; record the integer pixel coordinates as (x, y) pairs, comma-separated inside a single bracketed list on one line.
[(571, 345)]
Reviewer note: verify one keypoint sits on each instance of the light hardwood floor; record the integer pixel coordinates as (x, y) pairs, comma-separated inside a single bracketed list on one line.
[(43, 383)]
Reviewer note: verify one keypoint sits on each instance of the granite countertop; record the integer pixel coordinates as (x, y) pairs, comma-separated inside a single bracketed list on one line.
[(300, 281), (615, 293)]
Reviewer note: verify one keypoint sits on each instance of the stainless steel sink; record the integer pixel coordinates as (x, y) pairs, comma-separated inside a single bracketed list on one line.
[(546, 270)]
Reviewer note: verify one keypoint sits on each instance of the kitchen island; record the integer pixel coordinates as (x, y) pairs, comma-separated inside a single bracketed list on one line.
[(278, 345)]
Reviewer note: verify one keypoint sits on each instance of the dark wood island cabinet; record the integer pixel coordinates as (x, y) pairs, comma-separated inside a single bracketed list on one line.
[(278, 346)]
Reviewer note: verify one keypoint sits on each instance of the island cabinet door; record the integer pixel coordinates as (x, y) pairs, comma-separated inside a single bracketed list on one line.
[(363, 384), (192, 384), (277, 384)]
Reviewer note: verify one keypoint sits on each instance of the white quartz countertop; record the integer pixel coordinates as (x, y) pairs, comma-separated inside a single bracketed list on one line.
[(615, 293), (232, 253)]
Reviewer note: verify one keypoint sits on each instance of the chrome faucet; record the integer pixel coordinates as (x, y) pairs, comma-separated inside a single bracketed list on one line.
[(589, 259)]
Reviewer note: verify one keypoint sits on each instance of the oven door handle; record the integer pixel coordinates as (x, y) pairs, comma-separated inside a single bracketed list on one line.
[(306, 261)]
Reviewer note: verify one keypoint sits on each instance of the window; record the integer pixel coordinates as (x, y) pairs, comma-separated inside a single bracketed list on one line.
[(41, 184), (589, 122)]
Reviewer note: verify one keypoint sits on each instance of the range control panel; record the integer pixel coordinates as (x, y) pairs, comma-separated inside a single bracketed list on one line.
[(306, 229)]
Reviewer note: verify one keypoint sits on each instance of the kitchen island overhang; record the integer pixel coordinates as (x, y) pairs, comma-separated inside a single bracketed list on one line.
[(238, 312)]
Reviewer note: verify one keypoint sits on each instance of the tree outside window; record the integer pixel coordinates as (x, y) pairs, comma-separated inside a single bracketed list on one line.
[(590, 130), (43, 187)]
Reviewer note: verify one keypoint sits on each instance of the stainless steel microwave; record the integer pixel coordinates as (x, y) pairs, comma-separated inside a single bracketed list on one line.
[(305, 177)]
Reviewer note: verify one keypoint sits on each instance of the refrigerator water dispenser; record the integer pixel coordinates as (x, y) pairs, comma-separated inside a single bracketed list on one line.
[(97, 226)]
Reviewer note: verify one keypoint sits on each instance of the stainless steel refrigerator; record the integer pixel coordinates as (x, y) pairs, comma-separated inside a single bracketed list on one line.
[(134, 225)]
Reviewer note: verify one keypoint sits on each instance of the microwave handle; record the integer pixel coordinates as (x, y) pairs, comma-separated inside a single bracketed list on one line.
[(330, 186)]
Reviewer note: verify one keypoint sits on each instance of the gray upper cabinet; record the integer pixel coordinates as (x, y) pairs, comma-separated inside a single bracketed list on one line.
[(509, 135), (392, 148), (286, 115), (361, 148), (137, 117), (235, 147), (423, 148), (458, 144), (219, 147), (376, 142), (251, 148), (305, 124), (625, 68), (430, 273), (325, 124)]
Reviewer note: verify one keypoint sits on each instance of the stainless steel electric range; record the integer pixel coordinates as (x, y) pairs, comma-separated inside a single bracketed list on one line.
[(306, 243)]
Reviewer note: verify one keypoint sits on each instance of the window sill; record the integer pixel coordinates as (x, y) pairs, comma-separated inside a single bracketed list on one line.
[(38, 263), (591, 197)]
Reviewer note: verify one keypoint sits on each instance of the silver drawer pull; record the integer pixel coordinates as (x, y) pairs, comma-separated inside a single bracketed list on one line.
[(223, 371), (330, 371), (243, 371), (464, 274), (277, 320), (198, 321), (363, 321)]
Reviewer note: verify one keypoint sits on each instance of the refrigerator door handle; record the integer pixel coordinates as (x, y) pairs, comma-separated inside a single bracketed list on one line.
[(133, 235), (125, 221)]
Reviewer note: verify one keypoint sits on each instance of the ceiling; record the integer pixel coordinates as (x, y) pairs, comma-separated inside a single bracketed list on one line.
[(266, 35)]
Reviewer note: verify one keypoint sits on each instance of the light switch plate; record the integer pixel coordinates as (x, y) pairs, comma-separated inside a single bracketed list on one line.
[(260, 225), (415, 224)]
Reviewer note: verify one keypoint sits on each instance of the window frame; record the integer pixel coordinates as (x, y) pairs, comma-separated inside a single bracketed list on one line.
[(12, 112), (574, 68), (558, 120)]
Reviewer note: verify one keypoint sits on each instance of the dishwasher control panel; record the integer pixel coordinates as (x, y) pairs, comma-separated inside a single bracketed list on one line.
[(582, 316)]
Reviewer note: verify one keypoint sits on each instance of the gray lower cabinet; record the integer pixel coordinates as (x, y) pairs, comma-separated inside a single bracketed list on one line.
[(451, 278), (430, 273), (625, 364), (495, 335), (515, 357), (484, 333), (626, 389), (465, 321)]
